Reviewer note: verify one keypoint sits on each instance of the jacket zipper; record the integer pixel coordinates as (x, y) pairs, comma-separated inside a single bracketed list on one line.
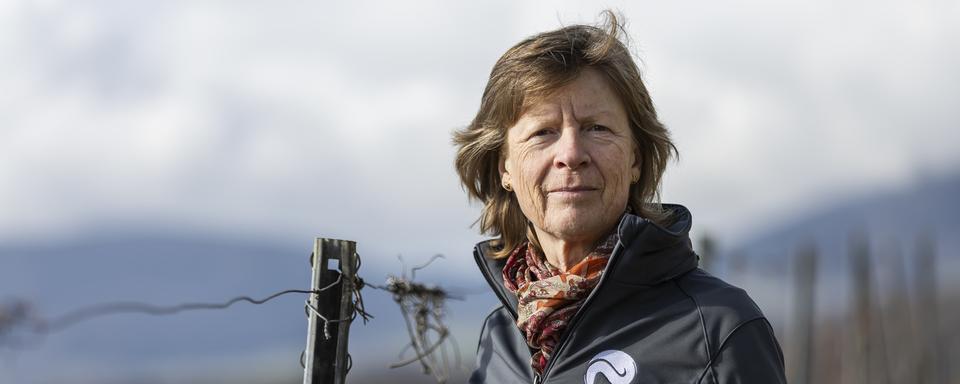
[(537, 379)]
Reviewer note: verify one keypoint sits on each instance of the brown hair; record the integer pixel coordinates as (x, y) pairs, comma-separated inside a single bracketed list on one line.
[(531, 70)]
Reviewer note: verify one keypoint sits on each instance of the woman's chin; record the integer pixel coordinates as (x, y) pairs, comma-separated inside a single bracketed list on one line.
[(575, 224)]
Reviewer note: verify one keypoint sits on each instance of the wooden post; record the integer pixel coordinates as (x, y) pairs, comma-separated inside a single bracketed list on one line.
[(708, 254), (930, 369), (805, 272), (859, 367), (325, 358), (899, 334)]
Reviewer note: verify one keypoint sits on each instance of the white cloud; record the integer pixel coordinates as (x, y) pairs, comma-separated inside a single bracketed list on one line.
[(295, 119)]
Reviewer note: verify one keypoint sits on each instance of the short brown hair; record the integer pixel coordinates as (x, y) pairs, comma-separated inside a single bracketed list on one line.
[(533, 69)]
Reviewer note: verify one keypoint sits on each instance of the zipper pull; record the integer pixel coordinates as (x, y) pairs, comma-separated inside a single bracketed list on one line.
[(537, 379)]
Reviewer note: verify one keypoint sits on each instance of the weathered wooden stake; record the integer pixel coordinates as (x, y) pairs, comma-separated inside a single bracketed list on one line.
[(325, 358), (931, 369), (708, 253), (862, 307), (805, 274)]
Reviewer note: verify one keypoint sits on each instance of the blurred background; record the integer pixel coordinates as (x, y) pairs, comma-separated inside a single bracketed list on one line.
[(190, 151)]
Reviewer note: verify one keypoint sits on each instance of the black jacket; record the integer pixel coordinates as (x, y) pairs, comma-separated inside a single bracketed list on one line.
[(654, 317)]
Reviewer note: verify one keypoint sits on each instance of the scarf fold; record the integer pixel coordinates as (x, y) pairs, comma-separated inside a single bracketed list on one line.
[(548, 297)]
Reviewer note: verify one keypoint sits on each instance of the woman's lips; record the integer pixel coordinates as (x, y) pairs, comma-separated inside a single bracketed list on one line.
[(572, 192)]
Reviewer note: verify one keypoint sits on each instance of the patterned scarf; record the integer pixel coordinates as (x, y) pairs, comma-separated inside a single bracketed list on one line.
[(548, 297)]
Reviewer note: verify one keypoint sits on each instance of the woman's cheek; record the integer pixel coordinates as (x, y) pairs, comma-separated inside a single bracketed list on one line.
[(531, 176)]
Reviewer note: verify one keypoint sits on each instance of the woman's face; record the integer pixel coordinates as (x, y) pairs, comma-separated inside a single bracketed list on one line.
[(570, 159)]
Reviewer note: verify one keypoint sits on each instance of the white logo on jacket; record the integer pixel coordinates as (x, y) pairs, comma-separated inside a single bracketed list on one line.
[(617, 367)]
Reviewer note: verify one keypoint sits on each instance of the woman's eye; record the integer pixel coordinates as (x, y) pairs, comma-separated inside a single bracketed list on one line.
[(543, 132), (597, 127)]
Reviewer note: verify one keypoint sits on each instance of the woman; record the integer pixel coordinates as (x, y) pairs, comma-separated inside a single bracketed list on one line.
[(597, 279)]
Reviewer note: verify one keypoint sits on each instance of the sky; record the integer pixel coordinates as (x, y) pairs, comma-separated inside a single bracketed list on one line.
[(289, 120)]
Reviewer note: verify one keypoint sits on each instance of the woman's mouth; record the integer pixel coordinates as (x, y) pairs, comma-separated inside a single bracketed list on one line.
[(572, 191)]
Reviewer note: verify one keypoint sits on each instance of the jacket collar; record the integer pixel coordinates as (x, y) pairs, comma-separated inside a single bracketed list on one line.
[(651, 254)]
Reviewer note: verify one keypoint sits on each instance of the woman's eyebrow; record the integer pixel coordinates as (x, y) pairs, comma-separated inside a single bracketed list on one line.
[(541, 112), (594, 114), (544, 117)]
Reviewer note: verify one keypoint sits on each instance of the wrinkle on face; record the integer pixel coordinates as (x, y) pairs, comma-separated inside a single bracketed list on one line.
[(578, 137)]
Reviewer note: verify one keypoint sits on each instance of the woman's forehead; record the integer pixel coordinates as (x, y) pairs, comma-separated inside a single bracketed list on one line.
[(581, 108), (588, 95), (550, 111)]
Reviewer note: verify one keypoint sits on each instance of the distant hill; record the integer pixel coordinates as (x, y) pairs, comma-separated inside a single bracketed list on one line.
[(930, 206), (892, 221)]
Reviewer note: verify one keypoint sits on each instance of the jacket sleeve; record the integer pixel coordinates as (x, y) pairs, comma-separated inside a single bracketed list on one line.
[(750, 354)]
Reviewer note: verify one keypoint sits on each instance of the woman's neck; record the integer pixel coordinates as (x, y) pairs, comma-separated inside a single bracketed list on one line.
[(564, 254)]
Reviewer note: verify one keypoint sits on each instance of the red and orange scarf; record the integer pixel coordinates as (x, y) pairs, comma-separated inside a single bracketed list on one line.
[(548, 297)]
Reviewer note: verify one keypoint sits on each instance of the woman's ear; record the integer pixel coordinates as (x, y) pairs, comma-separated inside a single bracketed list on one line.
[(635, 170), (505, 180)]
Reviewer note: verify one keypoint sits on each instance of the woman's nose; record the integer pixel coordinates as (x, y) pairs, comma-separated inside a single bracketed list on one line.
[(570, 150)]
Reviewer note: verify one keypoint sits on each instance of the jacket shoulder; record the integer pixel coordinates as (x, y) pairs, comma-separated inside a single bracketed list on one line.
[(722, 307), (720, 303), (732, 320)]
